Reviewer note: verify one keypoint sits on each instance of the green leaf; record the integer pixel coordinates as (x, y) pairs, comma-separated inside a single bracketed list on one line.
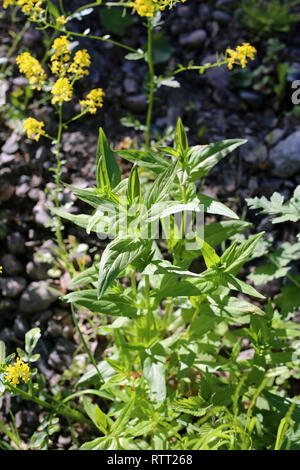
[(212, 206), (162, 185), (134, 187), (237, 255), (112, 303), (217, 232), (31, 338), (107, 169), (88, 276), (53, 9), (195, 406), (204, 157), (117, 256), (154, 370), (161, 49), (114, 20), (96, 415), (145, 159), (2, 352), (125, 415), (209, 254), (181, 141)]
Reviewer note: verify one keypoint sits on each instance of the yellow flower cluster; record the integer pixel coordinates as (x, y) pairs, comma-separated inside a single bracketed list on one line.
[(62, 91), (94, 100), (60, 56), (81, 59), (33, 128), (32, 69), (33, 8), (18, 371), (1, 268), (240, 55), (148, 7)]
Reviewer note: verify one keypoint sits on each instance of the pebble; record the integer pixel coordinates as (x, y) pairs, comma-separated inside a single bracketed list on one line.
[(16, 243), (137, 103), (37, 297), (21, 326), (285, 156), (12, 286), (194, 39), (11, 266)]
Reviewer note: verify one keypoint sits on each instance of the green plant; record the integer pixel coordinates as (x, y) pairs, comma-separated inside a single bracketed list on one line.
[(269, 16)]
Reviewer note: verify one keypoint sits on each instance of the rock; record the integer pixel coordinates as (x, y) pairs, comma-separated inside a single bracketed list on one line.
[(37, 271), (16, 243), (7, 334), (7, 305), (226, 99), (130, 86), (61, 357), (253, 151), (27, 421), (218, 77), (194, 39), (221, 17), (11, 266), (274, 136), (12, 286), (54, 329), (254, 100), (37, 297), (11, 145), (6, 192), (285, 156), (21, 326), (137, 103), (41, 217)]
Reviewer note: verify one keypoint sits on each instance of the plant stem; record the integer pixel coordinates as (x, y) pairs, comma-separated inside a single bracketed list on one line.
[(85, 346), (151, 83), (14, 45), (148, 306), (57, 181)]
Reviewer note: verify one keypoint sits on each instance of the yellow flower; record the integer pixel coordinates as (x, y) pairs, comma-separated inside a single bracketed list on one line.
[(62, 91), (94, 100), (33, 128), (32, 8), (61, 20), (240, 55), (60, 56), (148, 7), (32, 69), (6, 3), (18, 371), (81, 59), (1, 267)]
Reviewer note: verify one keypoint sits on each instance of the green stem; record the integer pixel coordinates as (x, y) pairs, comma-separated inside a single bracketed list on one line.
[(151, 83), (14, 45), (69, 413), (57, 181), (85, 346), (148, 307)]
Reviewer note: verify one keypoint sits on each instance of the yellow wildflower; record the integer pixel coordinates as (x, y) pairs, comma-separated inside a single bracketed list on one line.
[(32, 8), (240, 55), (94, 100), (60, 56), (32, 69), (1, 267), (61, 20), (18, 371), (6, 3), (81, 59), (33, 128), (62, 91), (148, 7)]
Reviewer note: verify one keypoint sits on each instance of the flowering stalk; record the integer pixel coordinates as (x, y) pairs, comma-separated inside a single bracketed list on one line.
[(151, 82)]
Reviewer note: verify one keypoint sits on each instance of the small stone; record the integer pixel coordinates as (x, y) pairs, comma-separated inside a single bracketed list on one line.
[(21, 326), (12, 286), (253, 151), (254, 100), (16, 243), (37, 297), (221, 17), (137, 103), (11, 145), (37, 271), (218, 77), (11, 266), (54, 330), (194, 39), (41, 217), (130, 86), (285, 156)]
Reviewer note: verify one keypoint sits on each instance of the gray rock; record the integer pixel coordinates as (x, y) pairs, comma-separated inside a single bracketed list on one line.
[(254, 100), (6, 305), (218, 77), (11, 145), (137, 103), (41, 217), (21, 326), (37, 297), (253, 151), (221, 17), (285, 156), (130, 86), (16, 243), (54, 329), (194, 39), (37, 271), (11, 265), (12, 286)]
